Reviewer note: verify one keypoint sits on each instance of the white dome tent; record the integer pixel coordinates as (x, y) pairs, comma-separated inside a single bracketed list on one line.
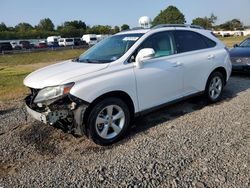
[(145, 22)]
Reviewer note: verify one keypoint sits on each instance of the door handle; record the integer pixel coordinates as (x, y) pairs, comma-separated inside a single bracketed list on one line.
[(209, 57), (177, 64)]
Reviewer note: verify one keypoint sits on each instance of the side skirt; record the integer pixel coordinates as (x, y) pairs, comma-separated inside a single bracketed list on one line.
[(144, 112)]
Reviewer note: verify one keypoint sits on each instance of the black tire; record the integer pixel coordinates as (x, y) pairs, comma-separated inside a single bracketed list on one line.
[(94, 112), (209, 82)]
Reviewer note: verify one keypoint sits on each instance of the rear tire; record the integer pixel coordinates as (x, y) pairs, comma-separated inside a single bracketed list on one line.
[(214, 87), (108, 121)]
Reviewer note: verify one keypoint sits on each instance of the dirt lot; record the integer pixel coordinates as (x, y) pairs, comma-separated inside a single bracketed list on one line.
[(190, 144)]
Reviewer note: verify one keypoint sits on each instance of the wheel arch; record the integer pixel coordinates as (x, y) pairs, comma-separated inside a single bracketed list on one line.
[(221, 70), (117, 94)]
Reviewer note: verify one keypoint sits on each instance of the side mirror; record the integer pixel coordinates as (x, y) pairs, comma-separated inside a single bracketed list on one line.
[(143, 55), (236, 45)]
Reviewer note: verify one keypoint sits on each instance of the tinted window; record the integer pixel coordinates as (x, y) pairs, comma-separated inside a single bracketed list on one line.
[(209, 42), (162, 43), (69, 40), (189, 41)]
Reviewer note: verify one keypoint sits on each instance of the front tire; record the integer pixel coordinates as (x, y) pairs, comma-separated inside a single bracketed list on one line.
[(215, 87), (108, 121)]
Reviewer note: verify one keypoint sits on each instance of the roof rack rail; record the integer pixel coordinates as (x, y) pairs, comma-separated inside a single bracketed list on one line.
[(177, 25), (133, 29)]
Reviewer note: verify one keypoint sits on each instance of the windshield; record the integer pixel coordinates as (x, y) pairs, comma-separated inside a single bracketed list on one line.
[(245, 43), (109, 49)]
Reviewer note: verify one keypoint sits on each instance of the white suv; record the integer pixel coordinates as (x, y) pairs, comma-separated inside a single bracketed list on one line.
[(126, 75)]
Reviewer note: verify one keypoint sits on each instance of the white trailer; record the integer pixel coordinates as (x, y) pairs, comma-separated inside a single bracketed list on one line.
[(51, 39), (101, 37), (90, 39)]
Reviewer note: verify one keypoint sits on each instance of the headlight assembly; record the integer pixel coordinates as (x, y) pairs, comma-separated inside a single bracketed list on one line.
[(50, 93)]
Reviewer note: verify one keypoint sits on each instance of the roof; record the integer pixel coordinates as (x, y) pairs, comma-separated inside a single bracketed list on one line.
[(143, 31), (134, 31)]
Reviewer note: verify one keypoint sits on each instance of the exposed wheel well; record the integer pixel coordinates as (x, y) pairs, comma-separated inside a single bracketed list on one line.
[(223, 72), (118, 94)]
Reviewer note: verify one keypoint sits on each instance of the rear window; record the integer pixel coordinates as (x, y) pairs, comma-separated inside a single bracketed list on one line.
[(187, 41), (93, 39)]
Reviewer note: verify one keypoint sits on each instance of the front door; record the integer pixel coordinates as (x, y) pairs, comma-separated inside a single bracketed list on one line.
[(160, 79)]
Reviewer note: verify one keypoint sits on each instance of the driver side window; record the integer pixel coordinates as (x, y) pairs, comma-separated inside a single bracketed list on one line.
[(162, 43)]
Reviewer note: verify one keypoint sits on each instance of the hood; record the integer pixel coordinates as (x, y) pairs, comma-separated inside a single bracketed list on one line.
[(240, 52), (59, 73)]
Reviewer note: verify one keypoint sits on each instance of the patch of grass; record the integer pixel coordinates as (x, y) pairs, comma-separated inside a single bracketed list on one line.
[(38, 57), (11, 86), (230, 41), (15, 67)]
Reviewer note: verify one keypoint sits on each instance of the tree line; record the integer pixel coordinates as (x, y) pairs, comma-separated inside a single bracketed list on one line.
[(46, 28), (76, 28)]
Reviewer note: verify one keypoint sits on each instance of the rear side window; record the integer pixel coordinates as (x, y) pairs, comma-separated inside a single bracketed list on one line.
[(187, 41), (209, 42)]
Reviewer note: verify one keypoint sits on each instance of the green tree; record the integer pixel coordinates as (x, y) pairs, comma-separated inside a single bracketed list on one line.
[(205, 22), (3, 27), (171, 15), (116, 29), (23, 27), (77, 24), (125, 27), (234, 24), (46, 25), (213, 19), (101, 29)]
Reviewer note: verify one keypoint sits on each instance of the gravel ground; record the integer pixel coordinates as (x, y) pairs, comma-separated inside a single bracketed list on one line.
[(190, 144)]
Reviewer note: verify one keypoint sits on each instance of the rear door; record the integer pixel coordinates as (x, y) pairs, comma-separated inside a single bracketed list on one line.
[(196, 54)]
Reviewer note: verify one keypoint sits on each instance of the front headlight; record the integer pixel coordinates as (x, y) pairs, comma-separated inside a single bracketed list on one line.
[(49, 93)]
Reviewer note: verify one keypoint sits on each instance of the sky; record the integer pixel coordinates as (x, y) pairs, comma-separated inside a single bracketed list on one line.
[(117, 12)]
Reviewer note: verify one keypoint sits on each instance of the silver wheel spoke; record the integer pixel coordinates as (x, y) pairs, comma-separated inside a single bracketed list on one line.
[(104, 132), (217, 90), (212, 93), (100, 120), (119, 115), (116, 128), (110, 111), (218, 83)]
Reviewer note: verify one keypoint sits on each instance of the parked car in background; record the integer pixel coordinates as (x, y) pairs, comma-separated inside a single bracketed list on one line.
[(41, 45), (79, 42), (66, 42), (90, 39), (240, 56), (126, 75), (53, 44), (25, 44), (5, 46), (15, 45)]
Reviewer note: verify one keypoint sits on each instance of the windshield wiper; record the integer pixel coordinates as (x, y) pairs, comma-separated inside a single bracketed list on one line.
[(94, 61)]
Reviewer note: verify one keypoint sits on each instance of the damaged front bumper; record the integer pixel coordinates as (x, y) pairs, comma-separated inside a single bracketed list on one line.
[(68, 111)]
